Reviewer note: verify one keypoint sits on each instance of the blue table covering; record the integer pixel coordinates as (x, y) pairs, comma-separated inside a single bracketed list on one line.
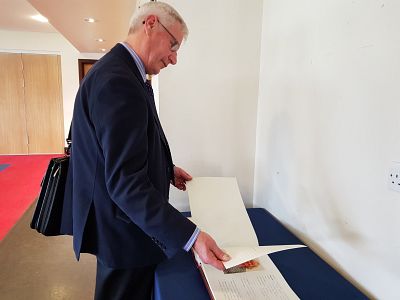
[(306, 273)]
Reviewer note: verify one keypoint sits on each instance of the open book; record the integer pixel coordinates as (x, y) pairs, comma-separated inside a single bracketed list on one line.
[(217, 208)]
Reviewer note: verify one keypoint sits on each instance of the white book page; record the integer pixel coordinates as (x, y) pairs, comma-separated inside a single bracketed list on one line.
[(218, 209), (266, 282), (240, 255)]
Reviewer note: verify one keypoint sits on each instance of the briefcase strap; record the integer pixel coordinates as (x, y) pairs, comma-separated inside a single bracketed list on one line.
[(67, 150)]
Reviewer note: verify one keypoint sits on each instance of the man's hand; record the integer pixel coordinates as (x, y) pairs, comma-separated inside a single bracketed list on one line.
[(209, 252), (180, 178)]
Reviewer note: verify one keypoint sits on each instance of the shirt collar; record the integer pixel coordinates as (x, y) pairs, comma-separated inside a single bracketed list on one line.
[(137, 60)]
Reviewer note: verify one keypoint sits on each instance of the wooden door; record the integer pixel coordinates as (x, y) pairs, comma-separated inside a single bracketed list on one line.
[(13, 136), (43, 101), (84, 66)]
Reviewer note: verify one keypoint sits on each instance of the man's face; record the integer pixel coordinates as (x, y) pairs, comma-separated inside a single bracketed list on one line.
[(164, 44)]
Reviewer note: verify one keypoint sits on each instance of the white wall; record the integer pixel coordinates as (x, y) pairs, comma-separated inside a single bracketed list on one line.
[(208, 101), (328, 130), (50, 43)]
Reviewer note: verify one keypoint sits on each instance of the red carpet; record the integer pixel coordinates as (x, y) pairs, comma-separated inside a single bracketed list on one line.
[(20, 180)]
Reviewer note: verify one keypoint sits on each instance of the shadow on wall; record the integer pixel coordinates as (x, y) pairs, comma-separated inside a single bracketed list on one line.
[(299, 192)]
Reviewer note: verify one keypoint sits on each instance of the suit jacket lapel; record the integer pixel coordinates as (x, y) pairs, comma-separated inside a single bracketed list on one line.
[(121, 51), (162, 135), (155, 116)]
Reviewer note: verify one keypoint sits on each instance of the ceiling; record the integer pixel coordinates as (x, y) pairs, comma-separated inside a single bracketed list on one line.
[(67, 18)]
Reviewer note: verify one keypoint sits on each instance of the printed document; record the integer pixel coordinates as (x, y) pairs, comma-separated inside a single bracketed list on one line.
[(218, 209)]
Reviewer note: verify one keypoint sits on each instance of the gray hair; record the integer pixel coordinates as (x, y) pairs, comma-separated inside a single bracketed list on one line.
[(166, 13)]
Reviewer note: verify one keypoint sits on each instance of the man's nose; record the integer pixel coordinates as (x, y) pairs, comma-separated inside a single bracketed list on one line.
[(173, 58)]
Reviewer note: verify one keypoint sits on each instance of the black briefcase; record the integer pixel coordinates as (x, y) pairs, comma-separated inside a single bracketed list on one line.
[(48, 213)]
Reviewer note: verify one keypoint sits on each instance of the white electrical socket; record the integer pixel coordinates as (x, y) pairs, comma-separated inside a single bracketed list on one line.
[(394, 176)]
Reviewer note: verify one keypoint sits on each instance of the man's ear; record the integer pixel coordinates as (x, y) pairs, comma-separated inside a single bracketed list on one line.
[(150, 23)]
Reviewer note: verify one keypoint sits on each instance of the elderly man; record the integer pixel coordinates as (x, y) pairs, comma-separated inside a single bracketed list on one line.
[(121, 165)]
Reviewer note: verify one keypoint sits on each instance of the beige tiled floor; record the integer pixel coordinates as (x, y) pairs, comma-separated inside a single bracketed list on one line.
[(36, 267)]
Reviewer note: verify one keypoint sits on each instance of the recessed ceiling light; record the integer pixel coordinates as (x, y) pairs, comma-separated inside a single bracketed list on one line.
[(89, 20), (100, 40), (40, 18), (103, 50)]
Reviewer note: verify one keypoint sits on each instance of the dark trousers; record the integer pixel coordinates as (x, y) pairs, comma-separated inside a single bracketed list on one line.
[(124, 284)]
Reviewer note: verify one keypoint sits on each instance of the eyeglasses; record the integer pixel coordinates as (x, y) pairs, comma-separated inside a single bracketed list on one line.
[(174, 43)]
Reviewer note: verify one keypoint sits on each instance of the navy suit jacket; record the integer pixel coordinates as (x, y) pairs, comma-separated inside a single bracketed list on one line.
[(120, 170)]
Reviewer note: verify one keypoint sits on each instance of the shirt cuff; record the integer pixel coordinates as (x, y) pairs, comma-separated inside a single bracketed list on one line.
[(192, 239)]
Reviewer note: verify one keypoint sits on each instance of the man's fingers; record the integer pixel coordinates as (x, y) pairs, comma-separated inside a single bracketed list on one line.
[(209, 252), (186, 176), (180, 178), (217, 264), (180, 185), (211, 259), (180, 173), (219, 257), (219, 254)]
